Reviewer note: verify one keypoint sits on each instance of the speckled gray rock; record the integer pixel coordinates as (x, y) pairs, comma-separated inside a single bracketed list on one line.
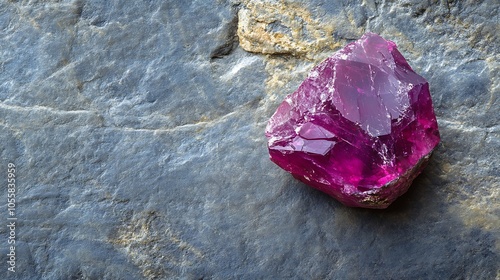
[(138, 133)]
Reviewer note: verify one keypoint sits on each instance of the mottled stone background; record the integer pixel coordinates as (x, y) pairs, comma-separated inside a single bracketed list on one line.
[(137, 128)]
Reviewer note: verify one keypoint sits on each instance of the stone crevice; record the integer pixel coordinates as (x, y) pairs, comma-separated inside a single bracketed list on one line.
[(43, 108), (230, 41)]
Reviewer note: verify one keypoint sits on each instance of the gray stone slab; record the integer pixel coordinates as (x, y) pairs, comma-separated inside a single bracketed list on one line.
[(137, 131)]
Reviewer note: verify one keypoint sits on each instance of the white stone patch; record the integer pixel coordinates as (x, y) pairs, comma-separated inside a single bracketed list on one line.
[(243, 63)]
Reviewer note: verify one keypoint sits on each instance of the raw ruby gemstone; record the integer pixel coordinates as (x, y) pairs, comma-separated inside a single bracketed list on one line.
[(360, 128)]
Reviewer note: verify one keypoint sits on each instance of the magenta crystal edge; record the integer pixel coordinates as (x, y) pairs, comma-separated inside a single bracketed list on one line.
[(360, 128)]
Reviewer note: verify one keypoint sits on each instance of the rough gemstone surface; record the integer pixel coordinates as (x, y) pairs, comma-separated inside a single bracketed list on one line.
[(360, 128)]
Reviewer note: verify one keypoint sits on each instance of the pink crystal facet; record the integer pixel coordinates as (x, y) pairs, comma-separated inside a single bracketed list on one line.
[(360, 128)]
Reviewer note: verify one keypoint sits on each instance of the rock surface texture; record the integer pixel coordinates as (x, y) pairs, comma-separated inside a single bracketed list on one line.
[(137, 132), (360, 127)]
